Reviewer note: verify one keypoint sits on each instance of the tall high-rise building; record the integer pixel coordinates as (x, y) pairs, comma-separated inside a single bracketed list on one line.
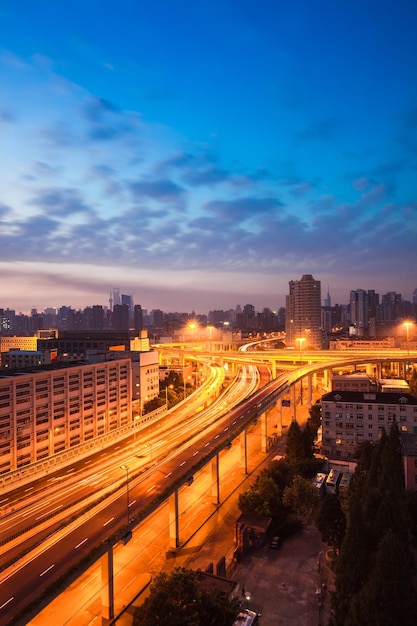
[(303, 313), (359, 302), (138, 318)]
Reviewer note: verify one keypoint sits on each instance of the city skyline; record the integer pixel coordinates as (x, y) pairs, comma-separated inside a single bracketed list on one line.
[(203, 155)]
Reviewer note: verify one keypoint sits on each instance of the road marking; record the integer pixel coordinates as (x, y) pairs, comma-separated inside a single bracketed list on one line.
[(195, 453), (5, 500), (28, 489), (108, 521), (133, 502), (81, 543), (51, 511), (47, 570), (150, 489), (183, 463), (6, 603), (207, 444), (168, 475)]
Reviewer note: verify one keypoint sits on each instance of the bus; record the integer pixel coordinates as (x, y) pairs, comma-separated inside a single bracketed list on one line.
[(332, 482), (247, 618), (344, 483), (320, 482)]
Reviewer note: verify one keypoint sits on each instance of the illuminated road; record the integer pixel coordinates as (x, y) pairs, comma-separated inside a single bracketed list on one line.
[(165, 459), (53, 558)]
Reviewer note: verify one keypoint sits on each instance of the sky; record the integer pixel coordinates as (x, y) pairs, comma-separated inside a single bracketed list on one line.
[(199, 154)]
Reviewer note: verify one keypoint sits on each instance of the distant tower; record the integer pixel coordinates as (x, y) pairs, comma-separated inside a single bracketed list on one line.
[(116, 296), (303, 313), (110, 302), (328, 301), (415, 296), (359, 310)]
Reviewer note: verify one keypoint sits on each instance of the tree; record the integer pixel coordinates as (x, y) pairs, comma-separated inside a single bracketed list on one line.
[(178, 598), (389, 597), (331, 522), (315, 417), (413, 381), (301, 496), (262, 498), (294, 451)]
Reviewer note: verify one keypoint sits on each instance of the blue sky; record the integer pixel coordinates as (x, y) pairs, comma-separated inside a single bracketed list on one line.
[(199, 154)]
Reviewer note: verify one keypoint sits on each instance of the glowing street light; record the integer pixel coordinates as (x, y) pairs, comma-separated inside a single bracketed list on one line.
[(301, 340), (407, 329)]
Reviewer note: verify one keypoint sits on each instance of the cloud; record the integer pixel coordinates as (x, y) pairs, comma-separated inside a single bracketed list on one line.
[(160, 190), (243, 209), (60, 202)]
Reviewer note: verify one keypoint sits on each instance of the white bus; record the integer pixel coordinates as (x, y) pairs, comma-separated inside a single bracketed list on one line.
[(247, 617), (332, 482)]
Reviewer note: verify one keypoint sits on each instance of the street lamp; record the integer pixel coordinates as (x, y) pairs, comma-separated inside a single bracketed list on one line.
[(125, 467), (248, 597), (301, 340), (407, 329)]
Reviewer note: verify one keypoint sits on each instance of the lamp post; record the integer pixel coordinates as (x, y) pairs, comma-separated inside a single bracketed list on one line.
[(301, 340), (125, 467), (248, 597), (407, 330)]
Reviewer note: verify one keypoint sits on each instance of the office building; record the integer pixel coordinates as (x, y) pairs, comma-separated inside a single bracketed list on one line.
[(303, 313), (359, 303)]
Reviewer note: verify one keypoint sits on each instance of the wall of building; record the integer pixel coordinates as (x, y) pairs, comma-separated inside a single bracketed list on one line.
[(50, 411)]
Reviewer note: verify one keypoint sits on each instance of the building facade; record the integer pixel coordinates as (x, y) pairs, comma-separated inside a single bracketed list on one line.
[(53, 410), (351, 417), (303, 313)]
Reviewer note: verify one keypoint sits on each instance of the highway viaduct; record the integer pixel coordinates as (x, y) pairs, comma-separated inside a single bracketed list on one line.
[(265, 405)]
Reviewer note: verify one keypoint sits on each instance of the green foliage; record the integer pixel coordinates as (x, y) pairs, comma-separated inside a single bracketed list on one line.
[(413, 381), (178, 598), (315, 418), (301, 496), (262, 498), (331, 521), (375, 551), (295, 449)]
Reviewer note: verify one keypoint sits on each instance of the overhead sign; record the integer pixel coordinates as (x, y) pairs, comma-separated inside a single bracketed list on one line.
[(285, 402)]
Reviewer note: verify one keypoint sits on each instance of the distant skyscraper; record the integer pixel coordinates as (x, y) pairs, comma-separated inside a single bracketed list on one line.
[(359, 303), (120, 317), (415, 296), (116, 296), (138, 318), (328, 300), (303, 313)]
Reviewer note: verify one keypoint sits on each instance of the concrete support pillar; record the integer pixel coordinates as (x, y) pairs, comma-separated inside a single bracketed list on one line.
[(274, 370), (293, 402), (264, 431), (315, 380), (243, 451), (107, 586), (174, 521), (326, 379), (309, 390), (279, 417), (215, 480)]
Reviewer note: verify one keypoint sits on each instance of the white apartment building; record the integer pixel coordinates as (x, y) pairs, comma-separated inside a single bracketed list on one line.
[(53, 410), (351, 417)]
